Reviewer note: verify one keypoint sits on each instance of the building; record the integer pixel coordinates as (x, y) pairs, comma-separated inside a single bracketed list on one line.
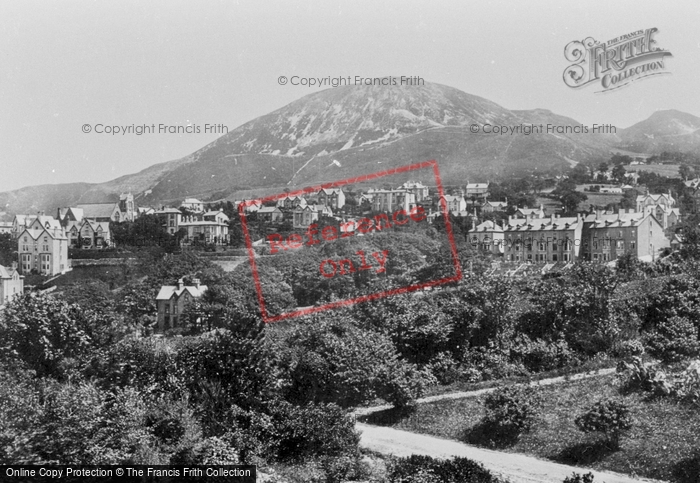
[(102, 212), (145, 210), (303, 217), (11, 284), (6, 227), (292, 202), (43, 247), (209, 227), (419, 190), (273, 214), (334, 198), (393, 200), (661, 206), (476, 192), (543, 240), (611, 189), (494, 206), (93, 234), (170, 218), (607, 236), (172, 300), (455, 204), (530, 213), (193, 205), (487, 236), (127, 207)]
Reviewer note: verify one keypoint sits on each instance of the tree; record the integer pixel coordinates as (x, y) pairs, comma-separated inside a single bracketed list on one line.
[(571, 200), (618, 173), (8, 249), (43, 333), (510, 412)]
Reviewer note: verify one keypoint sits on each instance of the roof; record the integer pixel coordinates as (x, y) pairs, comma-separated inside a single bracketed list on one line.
[(192, 200), (496, 203), (614, 220), (487, 225), (330, 191), (95, 225), (168, 210), (542, 224), (6, 273), (452, 198), (98, 210), (479, 186), (268, 209), (167, 291)]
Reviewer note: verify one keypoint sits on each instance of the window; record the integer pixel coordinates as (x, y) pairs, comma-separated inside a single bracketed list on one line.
[(555, 258), (633, 244), (620, 245), (595, 256), (167, 308), (567, 257), (595, 245)]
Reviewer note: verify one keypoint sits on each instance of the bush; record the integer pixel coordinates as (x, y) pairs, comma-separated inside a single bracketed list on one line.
[(628, 348), (510, 412), (539, 355), (579, 478), (673, 340), (444, 368), (612, 418), (425, 469)]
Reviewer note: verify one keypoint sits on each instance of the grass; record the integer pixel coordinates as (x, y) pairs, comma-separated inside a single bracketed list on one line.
[(668, 170), (662, 444)]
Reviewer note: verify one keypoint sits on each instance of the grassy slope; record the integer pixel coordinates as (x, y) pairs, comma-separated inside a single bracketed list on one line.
[(661, 442)]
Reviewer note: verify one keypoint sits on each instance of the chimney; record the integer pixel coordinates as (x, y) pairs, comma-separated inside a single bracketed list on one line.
[(196, 282), (14, 266), (180, 284), (551, 218)]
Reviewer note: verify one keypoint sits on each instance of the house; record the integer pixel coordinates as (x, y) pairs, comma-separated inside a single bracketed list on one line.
[(291, 202), (494, 206), (334, 198), (6, 227), (419, 190), (145, 210), (43, 246), (393, 200), (530, 213), (272, 214), (487, 236), (611, 189), (455, 204), (477, 192), (303, 217), (93, 234), (607, 236), (11, 284), (661, 206), (193, 205), (172, 300), (210, 227), (170, 218)]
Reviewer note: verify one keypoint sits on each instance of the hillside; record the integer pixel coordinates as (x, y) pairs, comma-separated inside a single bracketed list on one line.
[(668, 130), (350, 131)]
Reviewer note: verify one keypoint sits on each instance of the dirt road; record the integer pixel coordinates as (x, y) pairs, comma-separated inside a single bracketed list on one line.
[(517, 468)]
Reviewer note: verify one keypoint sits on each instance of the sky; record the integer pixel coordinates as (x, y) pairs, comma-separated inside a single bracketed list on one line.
[(64, 64)]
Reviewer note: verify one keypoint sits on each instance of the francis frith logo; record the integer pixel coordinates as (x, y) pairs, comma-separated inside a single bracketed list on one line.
[(615, 63)]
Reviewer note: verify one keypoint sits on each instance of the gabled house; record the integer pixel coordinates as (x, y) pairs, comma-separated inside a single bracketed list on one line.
[(494, 206), (172, 300), (43, 247), (419, 190), (331, 197), (455, 204), (103, 212), (303, 217), (193, 204), (11, 284), (530, 213), (477, 192), (209, 227), (271, 214), (291, 202), (94, 234)]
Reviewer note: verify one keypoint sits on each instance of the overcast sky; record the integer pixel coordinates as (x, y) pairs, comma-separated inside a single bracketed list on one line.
[(68, 63)]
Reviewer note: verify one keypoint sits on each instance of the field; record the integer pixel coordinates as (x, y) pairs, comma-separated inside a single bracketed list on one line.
[(663, 443), (668, 170)]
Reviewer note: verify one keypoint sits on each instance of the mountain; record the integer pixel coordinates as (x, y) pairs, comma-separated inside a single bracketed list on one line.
[(667, 130), (344, 132)]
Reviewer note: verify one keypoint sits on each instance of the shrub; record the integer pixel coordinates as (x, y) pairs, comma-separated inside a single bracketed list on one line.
[(673, 340), (425, 469), (612, 418), (510, 412), (539, 355), (444, 368), (628, 348), (579, 478)]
